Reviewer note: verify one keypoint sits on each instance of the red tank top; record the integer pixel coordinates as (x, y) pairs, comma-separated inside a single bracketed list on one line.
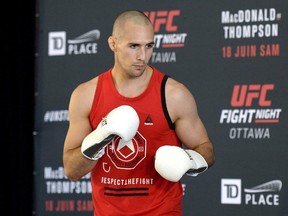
[(124, 180)]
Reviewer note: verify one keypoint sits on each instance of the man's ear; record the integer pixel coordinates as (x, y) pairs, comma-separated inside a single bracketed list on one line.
[(112, 43)]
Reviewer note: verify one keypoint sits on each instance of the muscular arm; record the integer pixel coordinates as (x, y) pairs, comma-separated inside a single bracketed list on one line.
[(75, 164), (188, 125)]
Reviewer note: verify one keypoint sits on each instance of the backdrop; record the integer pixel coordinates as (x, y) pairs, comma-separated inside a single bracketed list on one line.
[(233, 58)]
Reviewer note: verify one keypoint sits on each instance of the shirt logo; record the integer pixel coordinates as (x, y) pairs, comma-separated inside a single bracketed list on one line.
[(148, 120), (127, 155)]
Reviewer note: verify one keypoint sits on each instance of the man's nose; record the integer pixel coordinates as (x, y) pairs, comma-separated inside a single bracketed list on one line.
[(141, 54)]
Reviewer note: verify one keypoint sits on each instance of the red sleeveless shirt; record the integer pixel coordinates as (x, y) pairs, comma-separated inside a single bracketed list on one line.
[(124, 180)]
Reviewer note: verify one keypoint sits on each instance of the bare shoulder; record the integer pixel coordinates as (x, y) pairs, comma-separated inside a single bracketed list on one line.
[(82, 97), (179, 99), (177, 91), (86, 88)]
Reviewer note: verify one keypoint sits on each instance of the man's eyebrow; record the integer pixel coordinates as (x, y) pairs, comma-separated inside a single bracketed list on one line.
[(135, 43)]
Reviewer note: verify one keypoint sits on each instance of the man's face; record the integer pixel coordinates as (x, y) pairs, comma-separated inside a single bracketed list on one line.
[(134, 48)]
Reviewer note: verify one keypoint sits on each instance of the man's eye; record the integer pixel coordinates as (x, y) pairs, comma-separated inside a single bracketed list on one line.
[(150, 46), (133, 46)]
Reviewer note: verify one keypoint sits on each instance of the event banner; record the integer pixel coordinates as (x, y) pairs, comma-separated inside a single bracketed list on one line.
[(232, 55)]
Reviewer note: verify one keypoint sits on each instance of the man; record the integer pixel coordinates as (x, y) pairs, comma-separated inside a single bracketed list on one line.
[(127, 127)]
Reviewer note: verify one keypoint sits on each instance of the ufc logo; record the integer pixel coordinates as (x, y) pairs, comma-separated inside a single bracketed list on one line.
[(244, 95), (163, 18)]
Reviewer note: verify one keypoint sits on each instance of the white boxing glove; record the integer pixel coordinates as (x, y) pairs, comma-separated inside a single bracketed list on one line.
[(172, 162), (122, 121)]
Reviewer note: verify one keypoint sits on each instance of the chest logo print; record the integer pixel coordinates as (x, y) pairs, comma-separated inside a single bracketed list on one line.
[(127, 155)]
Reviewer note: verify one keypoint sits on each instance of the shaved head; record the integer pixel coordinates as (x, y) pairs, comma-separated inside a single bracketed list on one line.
[(134, 16), (132, 42)]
